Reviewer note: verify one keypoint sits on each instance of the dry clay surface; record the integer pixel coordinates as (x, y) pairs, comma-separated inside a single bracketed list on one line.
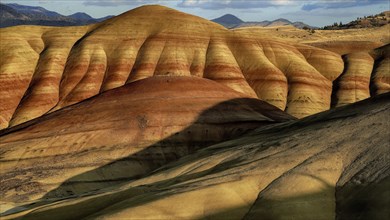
[(361, 37), (43, 69), (123, 134), (333, 165)]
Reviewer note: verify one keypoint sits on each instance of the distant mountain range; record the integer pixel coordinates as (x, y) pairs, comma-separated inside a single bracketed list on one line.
[(15, 14), (231, 21)]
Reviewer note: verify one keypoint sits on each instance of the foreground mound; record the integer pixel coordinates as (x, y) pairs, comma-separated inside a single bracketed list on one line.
[(328, 166), (123, 134), (44, 69)]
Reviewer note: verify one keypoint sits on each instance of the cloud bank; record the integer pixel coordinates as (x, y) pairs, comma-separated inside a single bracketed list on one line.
[(204, 4), (336, 4), (233, 4), (308, 5), (120, 2)]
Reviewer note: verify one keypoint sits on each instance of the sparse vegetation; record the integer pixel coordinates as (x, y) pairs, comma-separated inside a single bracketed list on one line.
[(310, 30), (362, 22)]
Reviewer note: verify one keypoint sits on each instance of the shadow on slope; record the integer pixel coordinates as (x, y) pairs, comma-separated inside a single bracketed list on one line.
[(149, 192), (196, 136), (371, 205), (91, 206), (227, 120), (363, 202)]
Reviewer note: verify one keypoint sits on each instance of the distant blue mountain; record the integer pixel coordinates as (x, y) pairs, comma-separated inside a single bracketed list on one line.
[(81, 16), (228, 21), (231, 21), (34, 12), (15, 14)]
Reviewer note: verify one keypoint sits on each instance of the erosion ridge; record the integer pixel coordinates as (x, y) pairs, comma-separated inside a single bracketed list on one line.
[(159, 114), (273, 172), (44, 69), (129, 130)]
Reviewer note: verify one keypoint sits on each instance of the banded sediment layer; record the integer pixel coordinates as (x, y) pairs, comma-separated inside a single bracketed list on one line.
[(157, 114), (274, 172), (44, 69), (130, 131)]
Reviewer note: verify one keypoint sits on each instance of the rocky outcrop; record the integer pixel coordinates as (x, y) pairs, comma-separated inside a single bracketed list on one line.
[(139, 126)]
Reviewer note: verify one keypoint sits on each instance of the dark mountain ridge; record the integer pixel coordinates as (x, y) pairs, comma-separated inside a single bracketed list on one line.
[(15, 14), (81, 16), (228, 21)]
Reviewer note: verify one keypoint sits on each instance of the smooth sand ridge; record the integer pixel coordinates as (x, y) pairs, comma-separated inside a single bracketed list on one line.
[(275, 172), (44, 69), (123, 134)]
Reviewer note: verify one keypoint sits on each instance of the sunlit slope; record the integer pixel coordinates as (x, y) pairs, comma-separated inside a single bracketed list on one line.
[(327, 166), (44, 69), (365, 74), (129, 130)]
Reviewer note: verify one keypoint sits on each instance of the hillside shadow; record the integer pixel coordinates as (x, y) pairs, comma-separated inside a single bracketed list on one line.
[(222, 122), (364, 200), (140, 195), (373, 87), (336, 83), (355, 201), (304, 206)]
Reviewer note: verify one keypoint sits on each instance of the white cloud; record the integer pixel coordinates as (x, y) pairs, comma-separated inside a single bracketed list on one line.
[(235, 4), (122, 2), (306, 5), (335, 4)]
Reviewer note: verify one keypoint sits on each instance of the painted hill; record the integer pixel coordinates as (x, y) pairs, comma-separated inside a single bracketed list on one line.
[(15, 14), (231, 21), (273, 172), (158, 114), (135, 120), (50, 71)]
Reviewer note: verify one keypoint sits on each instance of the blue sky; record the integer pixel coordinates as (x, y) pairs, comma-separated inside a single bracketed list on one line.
[(314, 12)]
